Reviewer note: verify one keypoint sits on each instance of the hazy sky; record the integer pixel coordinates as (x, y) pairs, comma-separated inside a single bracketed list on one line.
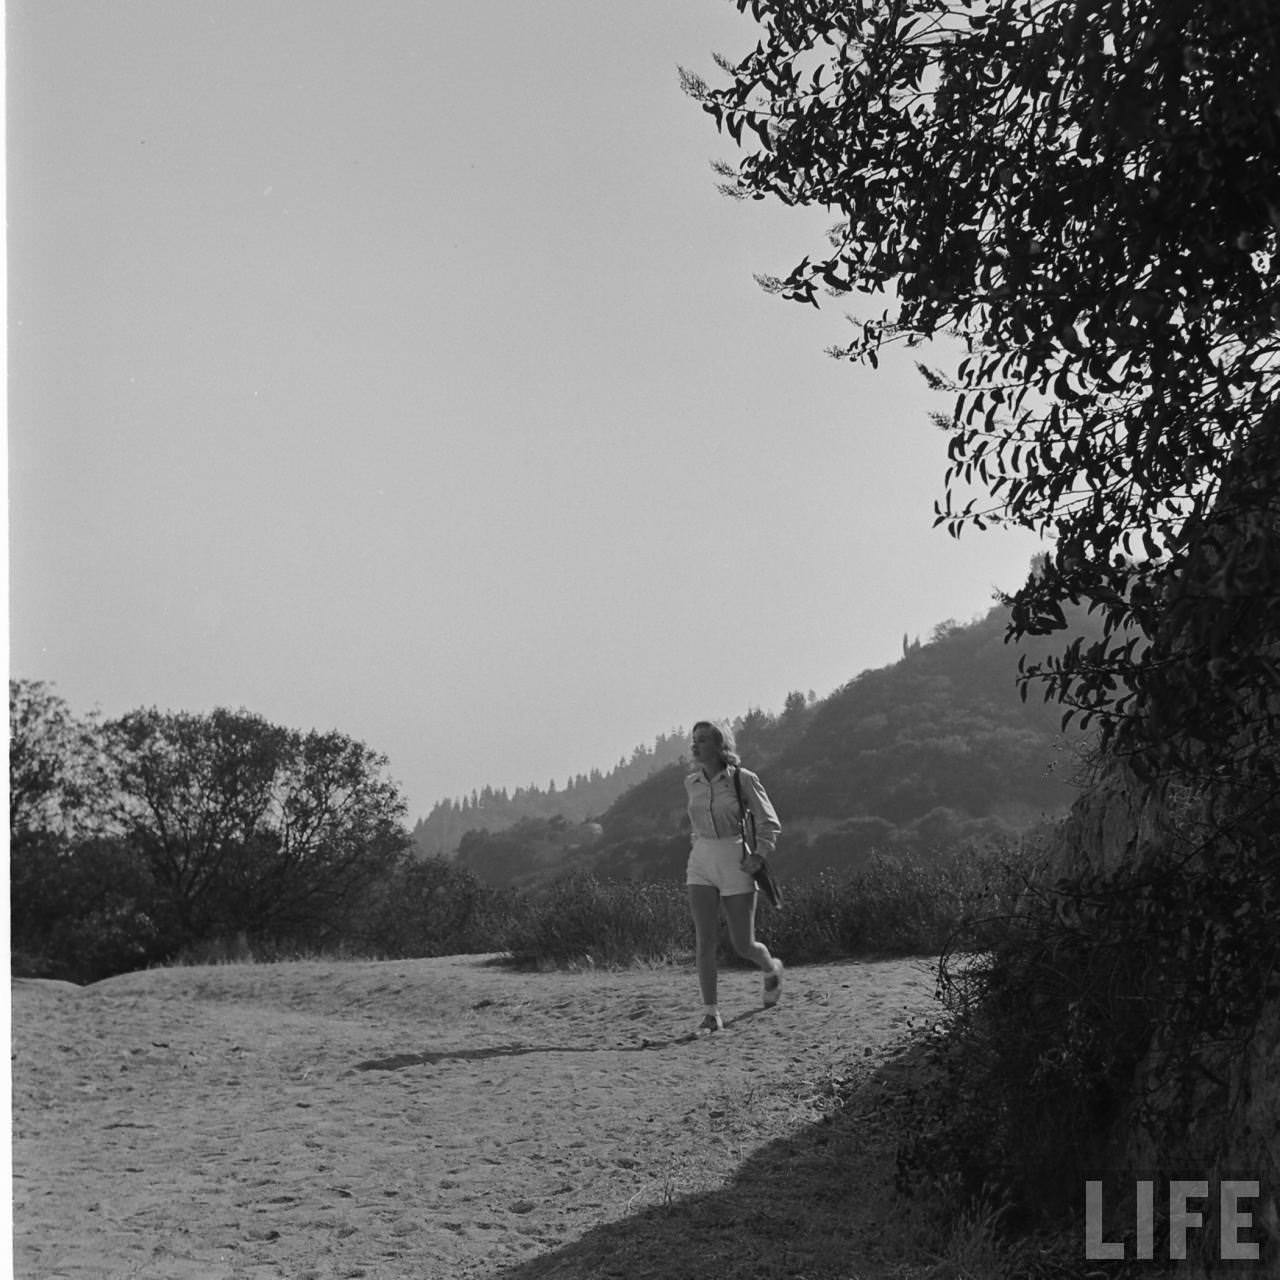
[(395, 366)]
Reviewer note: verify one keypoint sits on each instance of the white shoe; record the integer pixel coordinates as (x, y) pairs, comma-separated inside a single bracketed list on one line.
[(773, 984)]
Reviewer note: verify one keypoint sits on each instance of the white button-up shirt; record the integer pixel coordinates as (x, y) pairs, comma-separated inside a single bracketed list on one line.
[(714, 812)]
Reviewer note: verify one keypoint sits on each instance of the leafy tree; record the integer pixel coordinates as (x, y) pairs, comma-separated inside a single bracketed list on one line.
[(1086, 194), (795, 705), (78, 905), (246, 826), (57, 775)]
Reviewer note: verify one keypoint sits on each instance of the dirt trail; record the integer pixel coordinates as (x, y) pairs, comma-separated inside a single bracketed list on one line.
[(440, 1118)]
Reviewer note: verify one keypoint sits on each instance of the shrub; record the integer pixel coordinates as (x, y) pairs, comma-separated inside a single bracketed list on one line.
[(432, 907), (1106, 1004), (79, 912), (582, 919), (895, 906)]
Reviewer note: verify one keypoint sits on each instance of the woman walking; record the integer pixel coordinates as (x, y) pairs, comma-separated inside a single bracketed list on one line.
[(719, 874)]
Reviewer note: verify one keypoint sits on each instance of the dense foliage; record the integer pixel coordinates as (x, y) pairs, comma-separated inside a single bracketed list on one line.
[(941, 729), (57, 777), (244, 825), (160, 835), (1087, 194), (1102, 1025), (889, 907)]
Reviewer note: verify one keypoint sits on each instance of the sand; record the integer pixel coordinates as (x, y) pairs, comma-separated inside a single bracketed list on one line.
[(452, 1119)]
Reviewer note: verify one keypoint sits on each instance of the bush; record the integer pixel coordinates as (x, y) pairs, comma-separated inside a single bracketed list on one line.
[(87, 911), (894, 906), (582, 919), (1106, 1004), (433, 907), (79, 913)]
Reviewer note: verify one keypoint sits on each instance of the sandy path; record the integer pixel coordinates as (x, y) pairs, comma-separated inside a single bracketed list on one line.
[(430, 1118)]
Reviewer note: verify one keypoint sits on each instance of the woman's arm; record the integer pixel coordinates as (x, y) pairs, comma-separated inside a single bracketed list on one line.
[(768, 828)]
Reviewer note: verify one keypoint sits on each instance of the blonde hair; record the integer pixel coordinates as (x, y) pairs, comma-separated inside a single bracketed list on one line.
[(725, 741)]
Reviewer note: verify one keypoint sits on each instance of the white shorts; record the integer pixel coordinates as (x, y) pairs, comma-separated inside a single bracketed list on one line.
[(718, 863)]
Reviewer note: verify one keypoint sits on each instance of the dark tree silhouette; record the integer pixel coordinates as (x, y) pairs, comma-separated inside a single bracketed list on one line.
[(245, 826), (57, 773), (1087, 195)]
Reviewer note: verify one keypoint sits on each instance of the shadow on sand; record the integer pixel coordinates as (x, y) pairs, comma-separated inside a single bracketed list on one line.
[(819, 1204), (398, 1061)]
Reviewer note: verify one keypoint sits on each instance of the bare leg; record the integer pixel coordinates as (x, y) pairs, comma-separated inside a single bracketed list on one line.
[(740, 911), (704, 903)]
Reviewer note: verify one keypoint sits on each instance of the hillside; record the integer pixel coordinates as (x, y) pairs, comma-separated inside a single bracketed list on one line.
[(935, 750), (580, 799)]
